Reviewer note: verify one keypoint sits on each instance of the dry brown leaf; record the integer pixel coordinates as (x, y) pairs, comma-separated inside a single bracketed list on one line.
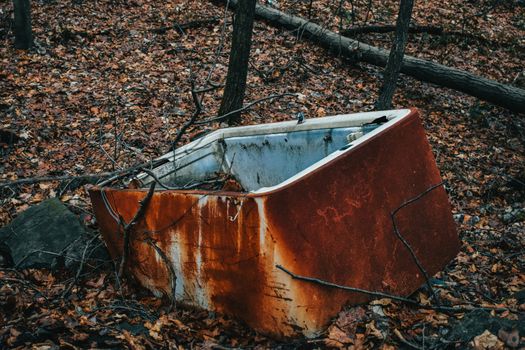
[(336, 335), (487, 341)]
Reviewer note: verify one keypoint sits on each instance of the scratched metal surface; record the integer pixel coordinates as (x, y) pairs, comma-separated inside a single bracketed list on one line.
[(333, 224)]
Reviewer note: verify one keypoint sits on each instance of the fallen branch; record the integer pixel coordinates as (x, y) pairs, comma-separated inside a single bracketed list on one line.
[(127, 227), (353, 31), (188, 25), (375, 294), (108, 176), (432, 30), (80, 267), (405, 242), (500, 94), (244, 108), (347, 288), (33, 180), (169, 267)]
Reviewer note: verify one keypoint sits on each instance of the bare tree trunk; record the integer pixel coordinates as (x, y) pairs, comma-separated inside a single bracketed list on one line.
[(500, 94), (239, 55), (395, 59), (22, 28)]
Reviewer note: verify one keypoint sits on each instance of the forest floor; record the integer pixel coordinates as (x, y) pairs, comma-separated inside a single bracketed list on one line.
[(107, 87)]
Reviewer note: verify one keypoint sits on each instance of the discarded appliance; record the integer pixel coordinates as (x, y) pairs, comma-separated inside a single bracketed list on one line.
[(317, 198)]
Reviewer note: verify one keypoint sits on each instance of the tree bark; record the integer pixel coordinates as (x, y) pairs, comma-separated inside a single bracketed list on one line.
[(22, 25), (395, 59), (235, 87), (497, 93)]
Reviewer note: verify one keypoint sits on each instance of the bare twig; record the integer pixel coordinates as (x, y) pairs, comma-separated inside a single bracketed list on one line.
[(404, 341), (127, 227), (169, 267), (347, 288), (80, 267), (198, 110), (191, 24), (22, 280), (405, 242), (108, 176), (244, 108), (352, 31), (452, 309), (157, 180), (209, 88), (33, 180)]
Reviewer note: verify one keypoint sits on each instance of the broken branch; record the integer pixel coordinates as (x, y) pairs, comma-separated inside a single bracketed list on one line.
[(198, 110), (108, 176), (347, 288), (188, 25), (458, 309), (390, 28), (244, 108), (127, 227), (405, 242), (169, 266)]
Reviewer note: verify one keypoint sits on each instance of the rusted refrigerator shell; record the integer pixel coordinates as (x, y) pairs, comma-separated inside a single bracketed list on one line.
[(331, 221)]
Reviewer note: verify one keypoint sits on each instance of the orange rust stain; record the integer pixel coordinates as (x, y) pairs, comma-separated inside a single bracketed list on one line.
[(220, 261)]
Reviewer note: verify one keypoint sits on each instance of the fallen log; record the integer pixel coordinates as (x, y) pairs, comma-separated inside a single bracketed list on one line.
[(431, 30), (497, 93), (413, 29)]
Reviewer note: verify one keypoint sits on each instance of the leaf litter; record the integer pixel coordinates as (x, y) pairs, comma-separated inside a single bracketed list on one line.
[(105, 89)]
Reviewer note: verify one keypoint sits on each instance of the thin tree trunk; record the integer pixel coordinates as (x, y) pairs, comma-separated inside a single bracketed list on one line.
[(500, 94), (22, 28), (395, 59), (233, 96)]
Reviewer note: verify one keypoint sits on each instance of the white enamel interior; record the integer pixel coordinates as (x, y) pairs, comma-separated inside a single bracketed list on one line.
[(265, 157)]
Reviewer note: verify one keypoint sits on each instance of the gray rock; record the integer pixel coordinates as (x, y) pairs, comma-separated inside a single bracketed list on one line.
[(45, 235)]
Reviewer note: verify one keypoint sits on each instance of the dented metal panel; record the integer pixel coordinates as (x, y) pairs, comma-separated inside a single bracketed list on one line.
[(332, 223)]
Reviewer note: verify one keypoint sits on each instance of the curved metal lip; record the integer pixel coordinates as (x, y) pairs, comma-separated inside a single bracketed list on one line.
[(395, 117)]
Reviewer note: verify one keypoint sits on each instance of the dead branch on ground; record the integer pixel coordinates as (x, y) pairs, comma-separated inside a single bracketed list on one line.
[(188, 25), (388, 28), (80, 268), (108, 176), (375, 294)]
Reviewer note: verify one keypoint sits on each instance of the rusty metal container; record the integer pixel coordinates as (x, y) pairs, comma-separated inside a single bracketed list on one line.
[(317, 198)]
